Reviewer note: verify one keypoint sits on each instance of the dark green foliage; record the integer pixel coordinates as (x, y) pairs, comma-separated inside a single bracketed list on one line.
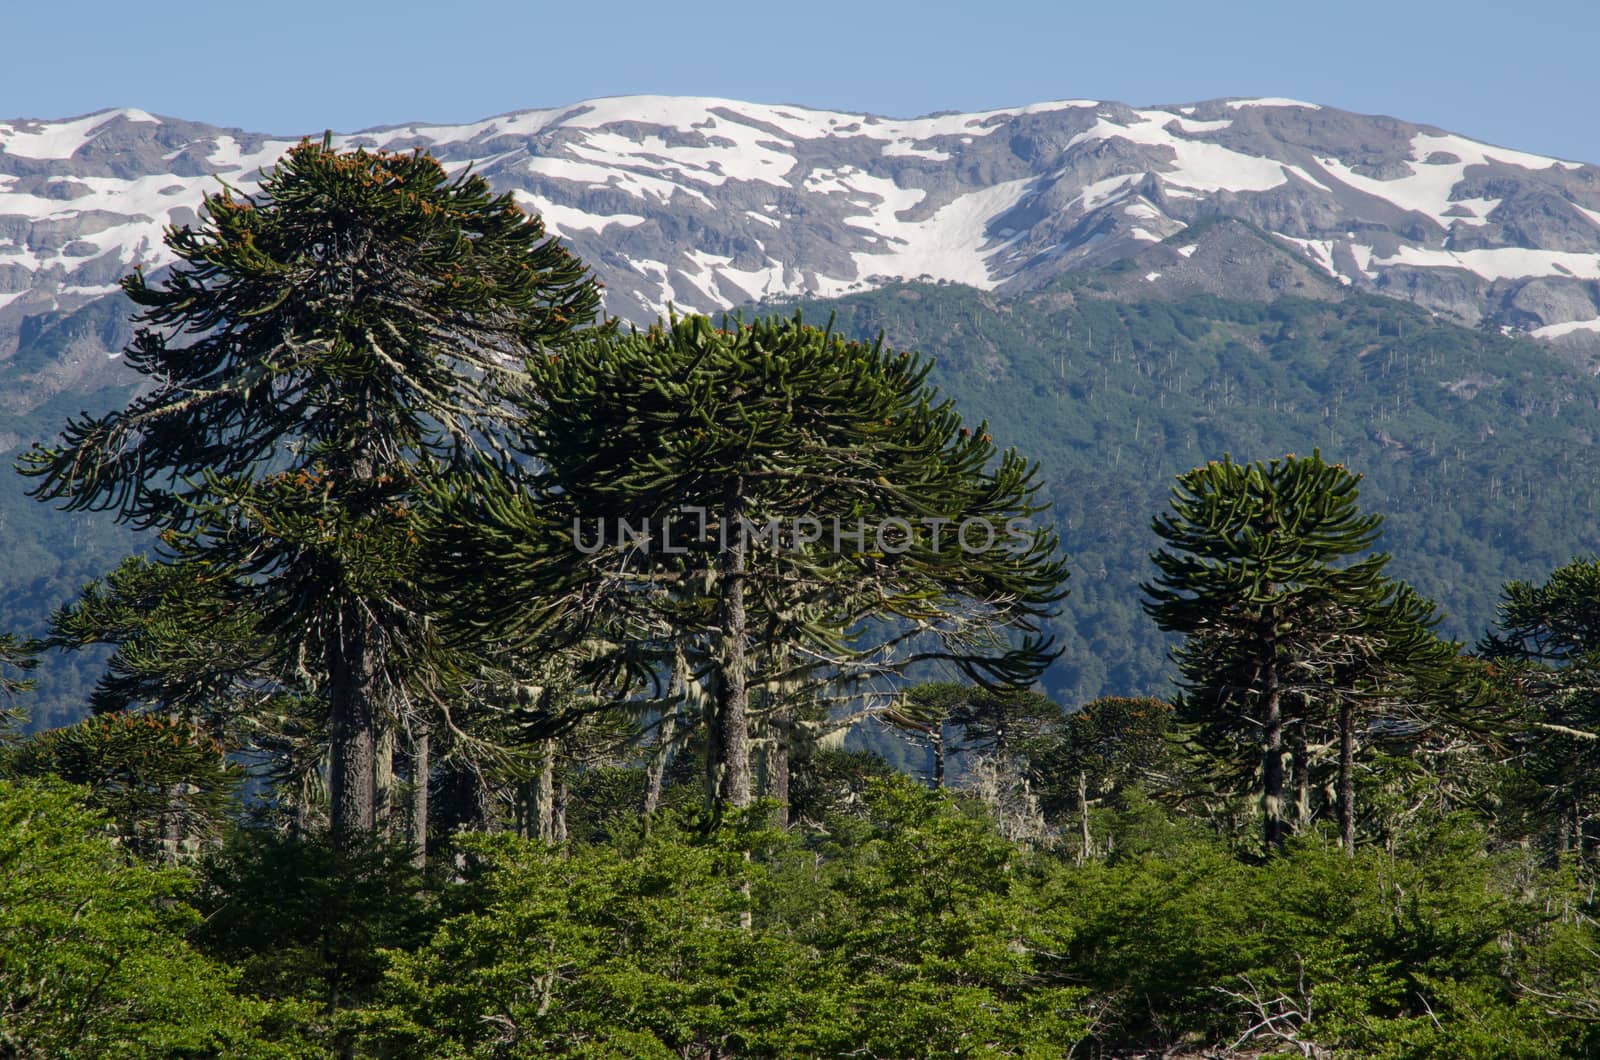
[(189, 645), (962, 723), (907, 942), (1261, 570), (658, 424), (904, 924), (358, 331), (1002, 722), (1447, 424), (1112, 743), (1117, 740), (1419, 956), (301, 919), (19, 656), (939, 937), (827, 783), (357, 303), (320, 346), (723, 447), (1557, 621), (182, 644), (911, 928), (601, 954)]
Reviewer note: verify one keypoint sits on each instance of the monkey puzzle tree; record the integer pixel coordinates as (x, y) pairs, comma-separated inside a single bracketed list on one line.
[(730, 492), (189, 648), (1280, 621), (165, 784), (1550, 636), (1008, 723), (319, 346), (1393, 665)]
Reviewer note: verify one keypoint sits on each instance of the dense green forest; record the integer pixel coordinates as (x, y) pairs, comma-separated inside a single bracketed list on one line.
[(487, 685), (1478, 448)]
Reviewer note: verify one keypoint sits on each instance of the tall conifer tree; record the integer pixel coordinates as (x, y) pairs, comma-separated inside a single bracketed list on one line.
[(714, 490), (319, 347), (1285, 612), (1549, 638)]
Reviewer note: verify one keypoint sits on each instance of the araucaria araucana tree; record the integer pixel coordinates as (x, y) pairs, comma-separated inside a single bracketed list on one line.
[(320, 346), (799, 515), (1549, 639), (1287, 616)]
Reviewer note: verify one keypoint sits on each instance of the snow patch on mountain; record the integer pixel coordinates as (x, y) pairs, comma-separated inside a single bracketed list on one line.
[(1272, 101), (1499, 263), (1196, 165), (565, 220), (1555, 331), (1437, 167), (1319, 251), (953, 244), (52, 141)]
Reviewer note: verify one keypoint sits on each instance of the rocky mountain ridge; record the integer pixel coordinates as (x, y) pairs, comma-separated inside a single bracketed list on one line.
[(707, 203)]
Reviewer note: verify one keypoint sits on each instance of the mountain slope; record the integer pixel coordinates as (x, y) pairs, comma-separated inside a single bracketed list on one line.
[(1479, 449), (708, 202)]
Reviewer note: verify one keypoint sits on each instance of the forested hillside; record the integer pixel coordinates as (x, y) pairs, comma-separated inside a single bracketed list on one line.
[(50, 555), (1479, 449)]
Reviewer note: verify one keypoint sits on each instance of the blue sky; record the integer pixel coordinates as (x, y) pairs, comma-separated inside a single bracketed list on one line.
[(1518, 74)]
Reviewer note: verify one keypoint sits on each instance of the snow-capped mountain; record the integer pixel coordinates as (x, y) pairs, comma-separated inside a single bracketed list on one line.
[(707, 203)]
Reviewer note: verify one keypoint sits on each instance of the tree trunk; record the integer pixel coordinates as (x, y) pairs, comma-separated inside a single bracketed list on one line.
[(1083, 817), (484, 811), (733, 696), (169, 822), (677, 697), (778, 772), (1347, 777), (558, 812), (300, 823), (1300, 764), (421, 766), (544, 797), (1272, 757), (169, 825), (658, 762), (385, 811), (938, 756), (352, 731)]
